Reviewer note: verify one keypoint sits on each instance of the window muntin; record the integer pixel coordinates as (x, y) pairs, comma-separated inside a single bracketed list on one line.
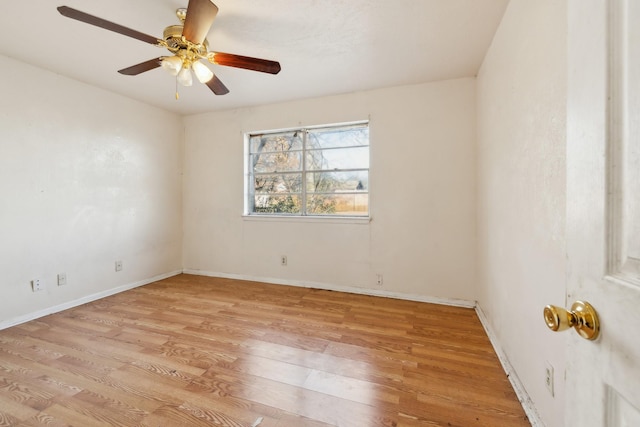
[(322, 171)]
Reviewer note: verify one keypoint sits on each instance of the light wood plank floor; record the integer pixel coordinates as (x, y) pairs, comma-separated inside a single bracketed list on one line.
[(199, 351)]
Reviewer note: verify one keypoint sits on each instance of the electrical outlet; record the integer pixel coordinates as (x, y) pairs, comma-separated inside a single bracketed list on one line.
[(37, 285), (379, 279), (548, 377), (118, 265), (62, 279), (283, 260)]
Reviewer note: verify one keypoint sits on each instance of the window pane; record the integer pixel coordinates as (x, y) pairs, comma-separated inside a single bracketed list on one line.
[(331, 182), (278, 183), (277, 162), (342, 204), (320, 171), (276, 142), (346, 158), (284, 204), (346, 136)]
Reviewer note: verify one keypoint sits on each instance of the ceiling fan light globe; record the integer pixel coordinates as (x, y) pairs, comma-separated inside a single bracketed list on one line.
[(202, 72), (172, 64), (184, 77)]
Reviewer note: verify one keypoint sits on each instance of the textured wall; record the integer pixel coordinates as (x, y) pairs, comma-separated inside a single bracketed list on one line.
[(521, 191), (422, 236), (86, 178)]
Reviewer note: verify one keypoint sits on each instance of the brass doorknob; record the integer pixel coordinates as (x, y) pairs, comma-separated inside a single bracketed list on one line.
[(582, 317)]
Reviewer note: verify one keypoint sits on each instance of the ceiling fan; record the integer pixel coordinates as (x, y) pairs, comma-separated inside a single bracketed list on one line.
[(187, 43)]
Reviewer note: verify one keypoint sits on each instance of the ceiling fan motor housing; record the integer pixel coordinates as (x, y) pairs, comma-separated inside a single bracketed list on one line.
[(173, 36)]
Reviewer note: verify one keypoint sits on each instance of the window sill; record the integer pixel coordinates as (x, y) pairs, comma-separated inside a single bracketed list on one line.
[(313, 219)]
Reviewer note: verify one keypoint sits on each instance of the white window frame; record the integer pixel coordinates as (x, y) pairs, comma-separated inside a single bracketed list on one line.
[(249, 180)]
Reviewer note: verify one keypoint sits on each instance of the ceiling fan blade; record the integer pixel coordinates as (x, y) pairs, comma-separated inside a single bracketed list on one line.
[(107, 25), (246, 62), (217, 86), (134, 70), (200, 16)]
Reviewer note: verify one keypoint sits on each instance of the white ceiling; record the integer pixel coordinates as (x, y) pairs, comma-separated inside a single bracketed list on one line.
[(325, 47)]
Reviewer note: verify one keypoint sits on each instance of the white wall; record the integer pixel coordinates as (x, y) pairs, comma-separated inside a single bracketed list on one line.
[(422, 236), (521, 192), (86, 178)]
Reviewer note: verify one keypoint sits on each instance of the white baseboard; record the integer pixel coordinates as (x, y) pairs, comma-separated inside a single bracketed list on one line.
[(330, 287), (518, 387), (89, 298)]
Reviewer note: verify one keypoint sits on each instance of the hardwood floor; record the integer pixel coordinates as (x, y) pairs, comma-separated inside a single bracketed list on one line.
[(200, 351)]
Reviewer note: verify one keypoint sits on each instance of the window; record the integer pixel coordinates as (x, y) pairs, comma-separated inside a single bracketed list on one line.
[(322, 171)]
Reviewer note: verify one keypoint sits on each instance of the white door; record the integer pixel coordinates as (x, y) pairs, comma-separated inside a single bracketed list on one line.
[(603, 210)]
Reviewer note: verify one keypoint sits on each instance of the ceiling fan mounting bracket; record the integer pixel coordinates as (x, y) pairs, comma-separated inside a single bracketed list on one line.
[(181, 13)]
